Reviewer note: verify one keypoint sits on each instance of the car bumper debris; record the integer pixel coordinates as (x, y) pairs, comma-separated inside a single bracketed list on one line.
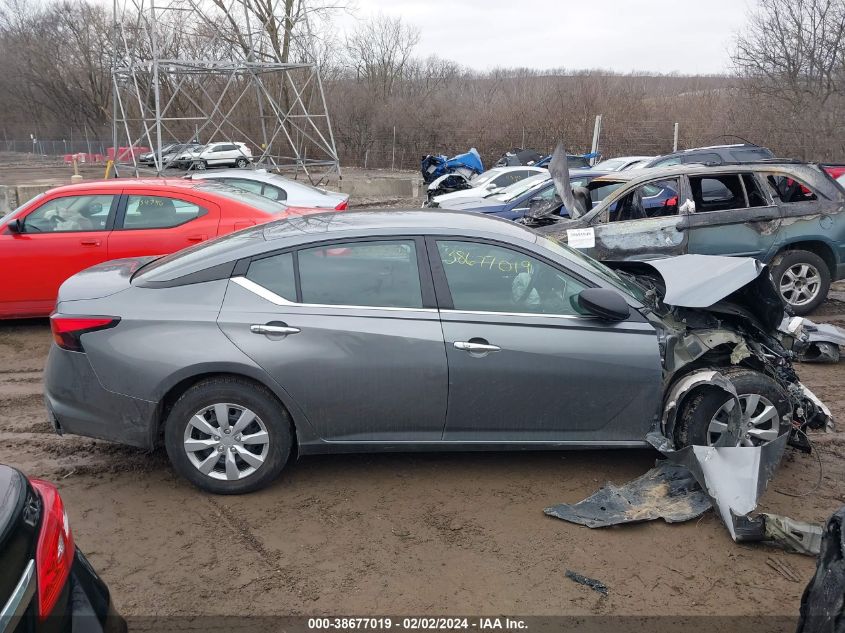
[(726, 476)]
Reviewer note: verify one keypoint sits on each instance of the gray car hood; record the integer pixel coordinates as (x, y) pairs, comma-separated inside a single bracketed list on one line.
[(699, 281)]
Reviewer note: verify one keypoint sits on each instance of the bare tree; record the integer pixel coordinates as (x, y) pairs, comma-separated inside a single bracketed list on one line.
[(379, 52), (792, 54)]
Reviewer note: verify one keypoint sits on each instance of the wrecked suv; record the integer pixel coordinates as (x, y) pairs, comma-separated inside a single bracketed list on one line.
[(412, 330), (787, 214)]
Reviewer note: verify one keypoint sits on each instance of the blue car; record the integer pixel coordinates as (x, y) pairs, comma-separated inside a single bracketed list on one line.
[(512, 202)]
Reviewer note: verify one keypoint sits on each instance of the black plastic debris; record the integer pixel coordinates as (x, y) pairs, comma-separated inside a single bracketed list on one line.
[(823, 602), (668, 491), (592, 583)]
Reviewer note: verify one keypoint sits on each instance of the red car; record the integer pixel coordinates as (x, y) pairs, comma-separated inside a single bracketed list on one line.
[(70, 228)]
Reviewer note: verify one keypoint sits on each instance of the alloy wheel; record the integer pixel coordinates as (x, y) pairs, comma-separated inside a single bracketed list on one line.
[(226, 441), (760, 420), (800, 284)]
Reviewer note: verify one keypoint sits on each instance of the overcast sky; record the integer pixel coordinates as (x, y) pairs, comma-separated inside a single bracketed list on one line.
[(685, 36)]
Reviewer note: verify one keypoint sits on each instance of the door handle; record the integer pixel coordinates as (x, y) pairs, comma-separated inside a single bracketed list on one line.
[(273, 329), (90, 242), (468, 346), (197, 238)]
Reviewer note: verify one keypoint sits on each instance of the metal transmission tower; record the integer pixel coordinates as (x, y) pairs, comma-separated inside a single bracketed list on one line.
[(220, 70)]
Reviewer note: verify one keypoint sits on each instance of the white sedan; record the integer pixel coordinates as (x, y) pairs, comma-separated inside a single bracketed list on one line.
[(276, 187), (491, 181)]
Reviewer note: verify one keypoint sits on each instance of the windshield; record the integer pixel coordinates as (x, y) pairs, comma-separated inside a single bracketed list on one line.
[(518, 188), (481, 179), (10, 216), (612, 164), (260, 203), (607, 274)]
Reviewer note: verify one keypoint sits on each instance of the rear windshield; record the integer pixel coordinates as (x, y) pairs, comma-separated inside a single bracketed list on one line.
[(173, 265), (260, 203), (282, 181)]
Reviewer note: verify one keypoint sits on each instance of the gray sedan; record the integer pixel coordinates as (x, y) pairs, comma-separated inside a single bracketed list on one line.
[(410, 330)]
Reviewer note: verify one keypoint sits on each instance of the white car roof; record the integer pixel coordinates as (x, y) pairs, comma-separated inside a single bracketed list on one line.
[(262, 175)]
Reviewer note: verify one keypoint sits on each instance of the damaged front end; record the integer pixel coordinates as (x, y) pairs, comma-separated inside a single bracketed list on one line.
[(720, 332), (713, 314)]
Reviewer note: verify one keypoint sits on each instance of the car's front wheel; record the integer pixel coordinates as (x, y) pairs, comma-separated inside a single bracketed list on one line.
[(241, 163), (228, 436), (764, 405), (200, 165)]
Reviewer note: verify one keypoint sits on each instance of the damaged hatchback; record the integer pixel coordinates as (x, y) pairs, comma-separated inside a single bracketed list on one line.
[(414, 330)]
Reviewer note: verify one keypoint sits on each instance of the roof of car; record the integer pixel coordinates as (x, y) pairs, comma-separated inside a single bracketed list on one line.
[(410, 221), (120, 183), (697, 168)]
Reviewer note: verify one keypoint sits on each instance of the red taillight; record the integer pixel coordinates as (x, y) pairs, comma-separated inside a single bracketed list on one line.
[(68, 330), (54, 552), (343, 206)]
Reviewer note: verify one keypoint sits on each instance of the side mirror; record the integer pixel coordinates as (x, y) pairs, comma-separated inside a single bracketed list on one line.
[(603, 303), (15, 226), (492, 185)]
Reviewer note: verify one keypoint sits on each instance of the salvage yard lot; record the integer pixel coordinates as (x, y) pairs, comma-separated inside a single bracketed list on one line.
[(400, 534)]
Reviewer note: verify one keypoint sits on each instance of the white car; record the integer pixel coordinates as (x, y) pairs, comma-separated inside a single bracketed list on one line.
[(223, 154), (621, 163), (491, 181), (276, 187)]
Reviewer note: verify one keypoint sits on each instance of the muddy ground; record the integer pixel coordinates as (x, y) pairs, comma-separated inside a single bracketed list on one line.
[(401, 534)]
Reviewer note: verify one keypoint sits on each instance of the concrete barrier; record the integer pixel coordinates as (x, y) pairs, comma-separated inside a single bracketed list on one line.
[(8, 199), (381, 187), (25, 193)]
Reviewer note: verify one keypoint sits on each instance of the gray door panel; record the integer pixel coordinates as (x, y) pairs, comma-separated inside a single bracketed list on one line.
[(741, 232), (359, 374), (555, 379)]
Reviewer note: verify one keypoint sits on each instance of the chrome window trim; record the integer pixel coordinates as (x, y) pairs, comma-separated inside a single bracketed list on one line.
[(18, 602), (272, 297)]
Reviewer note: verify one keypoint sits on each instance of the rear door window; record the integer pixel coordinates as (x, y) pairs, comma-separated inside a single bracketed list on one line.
[(372, 273), (721, 192), (158, 212), (70, 214)]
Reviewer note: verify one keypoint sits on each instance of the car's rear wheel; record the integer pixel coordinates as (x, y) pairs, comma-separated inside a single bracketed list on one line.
[(803, 280), (765, 407), (228, 436), (241, 163)]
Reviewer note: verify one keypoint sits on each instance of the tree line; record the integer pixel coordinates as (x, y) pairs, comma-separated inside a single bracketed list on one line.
[(388, 106)]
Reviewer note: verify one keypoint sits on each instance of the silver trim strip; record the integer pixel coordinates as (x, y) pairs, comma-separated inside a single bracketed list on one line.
[(278, 300), (272, 297), (18, 602)]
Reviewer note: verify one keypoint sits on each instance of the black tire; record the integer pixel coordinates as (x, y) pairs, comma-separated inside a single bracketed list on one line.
[(238, 392), (693, 421), (786, 262), (241, 163), (200, 165)]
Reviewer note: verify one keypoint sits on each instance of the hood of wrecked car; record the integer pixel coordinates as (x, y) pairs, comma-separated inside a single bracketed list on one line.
[(699, 281), (728, 285)]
